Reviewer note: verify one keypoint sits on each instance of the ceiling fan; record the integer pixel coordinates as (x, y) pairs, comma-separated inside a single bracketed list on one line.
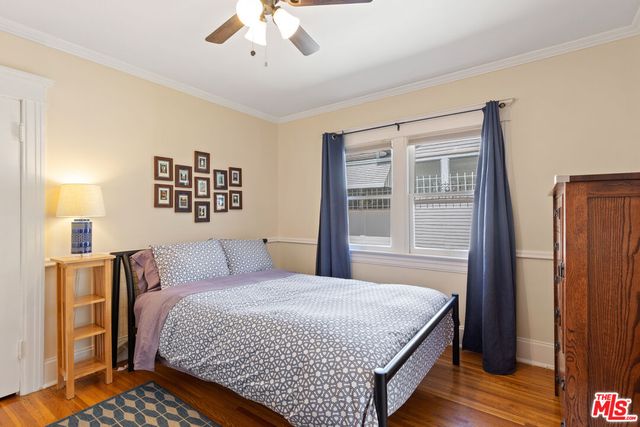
[(254, 13)]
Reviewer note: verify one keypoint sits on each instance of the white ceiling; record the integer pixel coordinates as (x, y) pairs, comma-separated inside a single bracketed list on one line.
[(365, 48)]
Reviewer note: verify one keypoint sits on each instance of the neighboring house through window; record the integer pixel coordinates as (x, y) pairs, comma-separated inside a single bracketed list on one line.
[(369, 191)]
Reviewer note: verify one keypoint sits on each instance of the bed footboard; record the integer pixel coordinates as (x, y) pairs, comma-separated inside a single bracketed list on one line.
[(382, 376)]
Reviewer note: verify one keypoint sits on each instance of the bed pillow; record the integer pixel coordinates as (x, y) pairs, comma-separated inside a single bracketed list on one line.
[(247, 256), (189, 262), (145, 271)]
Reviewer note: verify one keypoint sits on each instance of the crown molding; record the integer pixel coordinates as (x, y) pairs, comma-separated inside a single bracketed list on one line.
[(45, 39), (525, 58)]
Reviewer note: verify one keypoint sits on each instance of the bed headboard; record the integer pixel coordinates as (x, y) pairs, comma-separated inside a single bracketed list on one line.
[(123, 258)]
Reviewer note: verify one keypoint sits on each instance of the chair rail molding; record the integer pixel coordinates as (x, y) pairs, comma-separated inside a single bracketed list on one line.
[(412, 260), (30, 90)]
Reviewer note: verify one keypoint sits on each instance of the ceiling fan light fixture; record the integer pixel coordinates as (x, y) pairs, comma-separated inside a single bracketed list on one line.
[(286, 22), (257, 33), (249, 11)]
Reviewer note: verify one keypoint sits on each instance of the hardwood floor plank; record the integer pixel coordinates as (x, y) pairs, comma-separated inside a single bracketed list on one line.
[(448, 396)]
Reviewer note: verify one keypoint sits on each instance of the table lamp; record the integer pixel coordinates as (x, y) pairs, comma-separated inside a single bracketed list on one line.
[(80, 201)]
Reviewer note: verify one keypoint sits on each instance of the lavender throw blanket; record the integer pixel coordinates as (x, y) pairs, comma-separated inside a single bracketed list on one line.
[(151, 309)]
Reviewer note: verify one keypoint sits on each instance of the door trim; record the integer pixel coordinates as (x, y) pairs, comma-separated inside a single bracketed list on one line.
[(31, 91)]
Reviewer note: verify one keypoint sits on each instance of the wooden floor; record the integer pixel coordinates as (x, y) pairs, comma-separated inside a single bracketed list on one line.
[(448, 396)]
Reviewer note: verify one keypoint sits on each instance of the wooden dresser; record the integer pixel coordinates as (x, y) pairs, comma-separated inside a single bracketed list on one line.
[(597, 292)]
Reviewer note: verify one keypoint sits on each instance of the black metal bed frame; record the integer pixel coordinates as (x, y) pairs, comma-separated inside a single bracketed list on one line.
[(382, 376)]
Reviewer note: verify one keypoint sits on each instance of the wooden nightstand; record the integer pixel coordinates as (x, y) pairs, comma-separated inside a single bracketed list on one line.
[(99, 300)]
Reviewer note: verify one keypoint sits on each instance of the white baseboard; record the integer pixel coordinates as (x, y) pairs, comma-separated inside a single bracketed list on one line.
[(51, 364), (530, 352), (536, 353)]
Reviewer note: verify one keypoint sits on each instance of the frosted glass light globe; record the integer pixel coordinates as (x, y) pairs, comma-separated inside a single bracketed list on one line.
[(286, 22), (249, 11), (257, 33)]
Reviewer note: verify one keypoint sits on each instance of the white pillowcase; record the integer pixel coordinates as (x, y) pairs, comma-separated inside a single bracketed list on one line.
[(247, 256), (189, 262)]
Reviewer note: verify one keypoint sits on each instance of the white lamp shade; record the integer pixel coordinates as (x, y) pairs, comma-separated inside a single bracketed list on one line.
[(286, 22), (249, 11), (257, 33), (80, 201)]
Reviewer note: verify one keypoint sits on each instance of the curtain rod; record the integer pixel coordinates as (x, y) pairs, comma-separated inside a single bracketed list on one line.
[(501, 104)]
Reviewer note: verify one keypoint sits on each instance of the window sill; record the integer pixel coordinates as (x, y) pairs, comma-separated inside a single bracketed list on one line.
[(413, 261)]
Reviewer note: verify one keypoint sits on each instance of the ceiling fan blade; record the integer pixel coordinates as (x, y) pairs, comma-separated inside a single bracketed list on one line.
[(324, 2), (225, 31), (303, 41)]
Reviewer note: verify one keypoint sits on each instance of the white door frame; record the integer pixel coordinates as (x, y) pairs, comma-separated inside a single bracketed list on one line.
[(30, 90)]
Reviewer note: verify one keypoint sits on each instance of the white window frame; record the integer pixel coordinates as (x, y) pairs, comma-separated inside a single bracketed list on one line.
[(401, 199)]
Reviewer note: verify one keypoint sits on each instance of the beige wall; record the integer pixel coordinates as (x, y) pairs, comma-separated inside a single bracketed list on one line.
[(104, 126), (576, 113)]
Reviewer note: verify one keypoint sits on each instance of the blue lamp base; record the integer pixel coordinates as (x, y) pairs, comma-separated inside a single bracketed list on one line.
[(81, 236)]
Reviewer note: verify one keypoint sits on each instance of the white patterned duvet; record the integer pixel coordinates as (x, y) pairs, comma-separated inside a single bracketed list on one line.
[(306, 346)]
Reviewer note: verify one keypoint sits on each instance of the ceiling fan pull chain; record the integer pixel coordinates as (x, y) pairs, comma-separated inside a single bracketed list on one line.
[(266, 56)]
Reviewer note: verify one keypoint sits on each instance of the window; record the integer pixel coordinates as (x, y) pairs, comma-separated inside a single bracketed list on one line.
[(369, 191), (413, 192), (443, 181)]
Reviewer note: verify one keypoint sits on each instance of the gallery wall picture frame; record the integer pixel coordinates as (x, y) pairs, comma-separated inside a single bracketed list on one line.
[(163, 196), (235, 177), (202, 212), (202, 187), (162, 168), (183, 201), (220, 202), (235, 199), (183, 176), (220, 179), (201, 162)]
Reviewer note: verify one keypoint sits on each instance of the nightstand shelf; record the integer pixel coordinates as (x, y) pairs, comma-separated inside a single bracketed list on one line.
[(98, 302), (87, 331), (86, 367), (88, 300)]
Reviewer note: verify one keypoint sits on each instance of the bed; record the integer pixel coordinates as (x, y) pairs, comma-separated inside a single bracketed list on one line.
[(319, 351)]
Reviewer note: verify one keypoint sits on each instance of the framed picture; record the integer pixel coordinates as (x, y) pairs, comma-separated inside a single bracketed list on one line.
[(201, 162), (183, 176), (220, 202), (235, 199), (201, 212), (182, 201), (202, 186), (162, 168), (163, 196), (220, 179), (235, 177)]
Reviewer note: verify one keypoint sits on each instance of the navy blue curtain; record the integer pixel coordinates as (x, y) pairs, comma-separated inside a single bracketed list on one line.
[(333, 258), (490, 321)]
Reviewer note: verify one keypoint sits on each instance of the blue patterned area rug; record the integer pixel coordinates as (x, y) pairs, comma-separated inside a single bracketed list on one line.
[(145, 405)]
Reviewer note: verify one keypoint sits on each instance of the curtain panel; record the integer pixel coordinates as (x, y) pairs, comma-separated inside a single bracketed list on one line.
[(490, 321), (333, 258)]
